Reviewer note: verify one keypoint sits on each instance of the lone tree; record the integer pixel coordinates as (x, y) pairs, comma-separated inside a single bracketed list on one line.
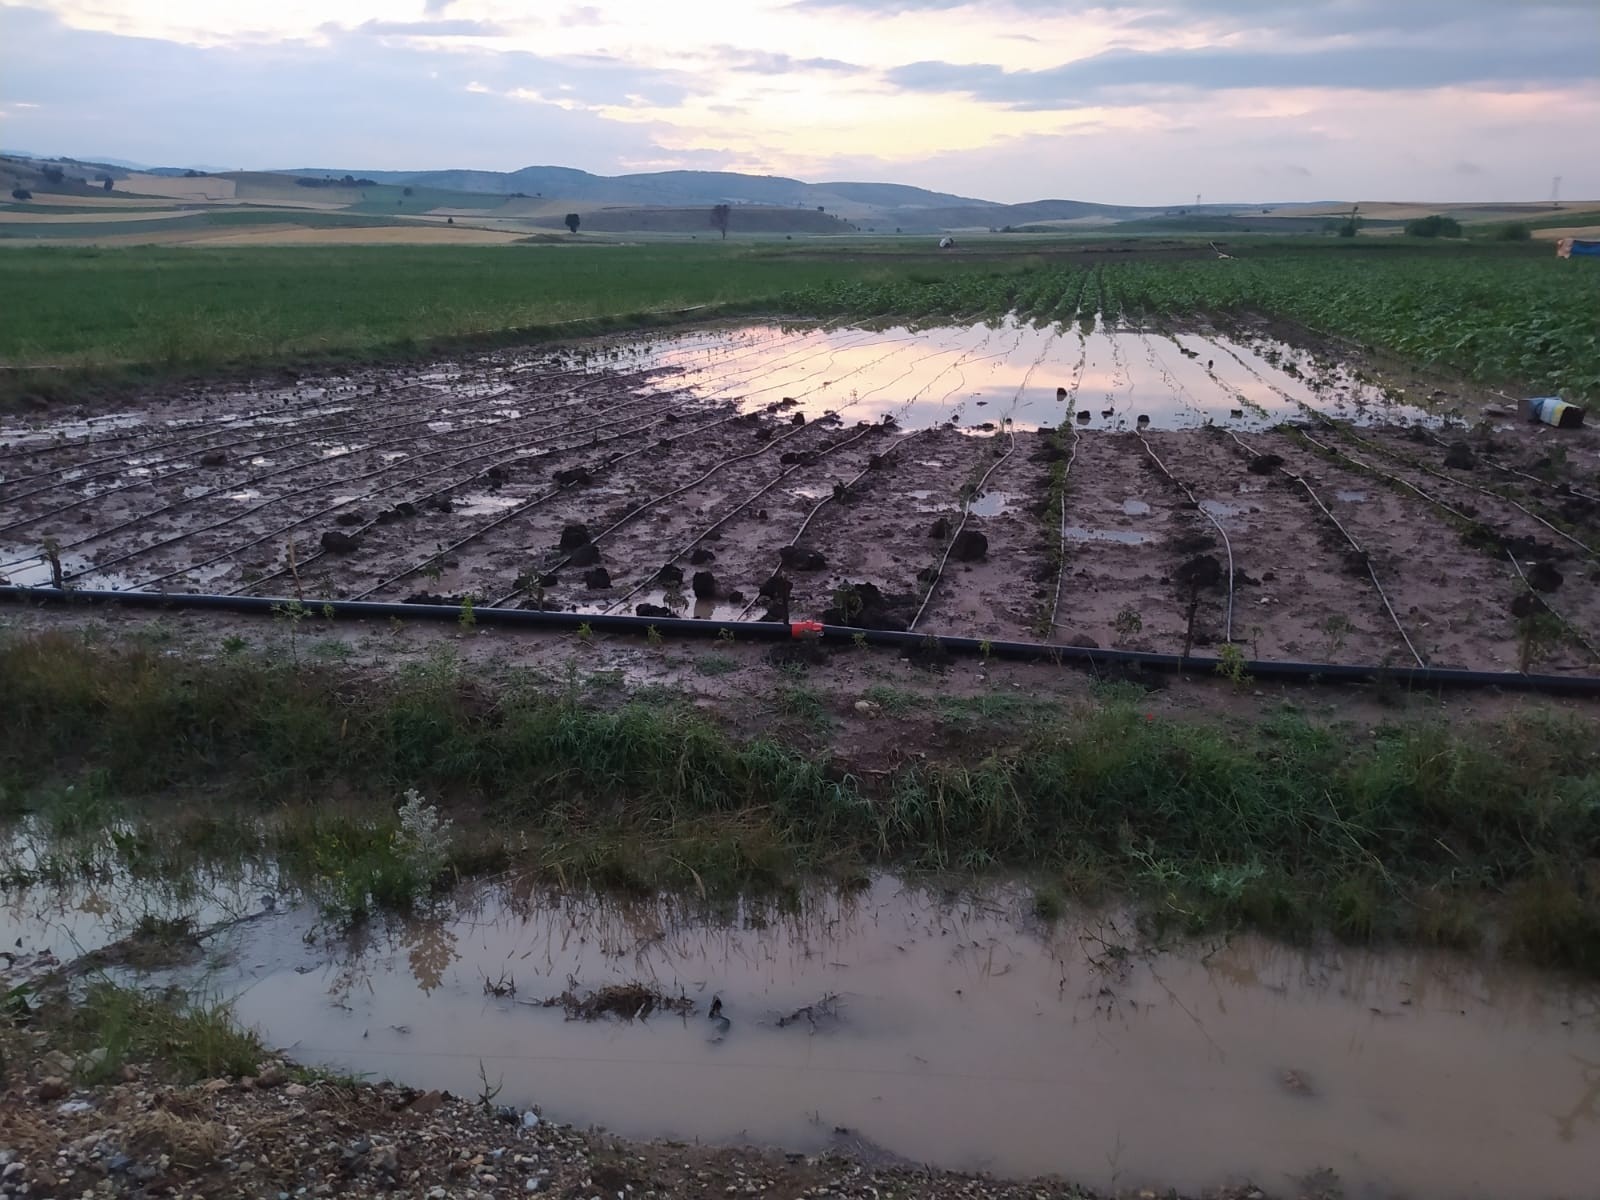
[(572, 222), (719, 219), (1434, 227), (21, 194), (108, 185)]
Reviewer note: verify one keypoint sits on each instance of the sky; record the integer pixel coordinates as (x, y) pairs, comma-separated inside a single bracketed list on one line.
[(1122, 101)]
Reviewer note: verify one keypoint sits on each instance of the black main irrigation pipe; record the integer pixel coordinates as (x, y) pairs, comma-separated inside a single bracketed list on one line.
[(1425, 678)]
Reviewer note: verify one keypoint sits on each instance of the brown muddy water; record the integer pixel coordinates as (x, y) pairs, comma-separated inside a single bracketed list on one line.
[(941, 1028)]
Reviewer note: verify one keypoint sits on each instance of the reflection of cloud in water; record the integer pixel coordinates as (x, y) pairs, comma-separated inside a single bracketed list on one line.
[(977, 373)]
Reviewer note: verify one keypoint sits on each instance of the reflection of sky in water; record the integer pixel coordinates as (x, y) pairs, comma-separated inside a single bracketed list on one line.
[(976, 374)]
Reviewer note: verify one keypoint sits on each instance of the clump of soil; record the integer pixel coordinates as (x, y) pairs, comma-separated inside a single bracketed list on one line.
[(700, 556), (621, 1002), (940, 529), (797, 558), (597, 579), (336, 541), (969, 546), (1265, 464), (652, 610), (704, 585), (585, 555), (865, 606), (1460, 457), (670, 575), (573, 536), (1201, 571)]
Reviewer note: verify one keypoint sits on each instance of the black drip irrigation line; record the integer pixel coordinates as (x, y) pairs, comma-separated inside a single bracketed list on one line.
[(423, 498), (649, 504), (1366, 559), (832, 498), (513, 513), (975, 492), (1037, 652), (1227, 545), (96, 568), (739, 508), (1560, 489), (1571, 629), (299, 438), (1451, 479)]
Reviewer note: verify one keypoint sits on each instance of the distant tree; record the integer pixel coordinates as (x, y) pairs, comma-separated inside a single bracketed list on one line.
[(449, 220), (107, 185), (821, 209), (572, 222), (1513, 233), (719, 219), (21, 194), (193, 174), (348, 181), (53, 174), (1434, 227), (405, 191)]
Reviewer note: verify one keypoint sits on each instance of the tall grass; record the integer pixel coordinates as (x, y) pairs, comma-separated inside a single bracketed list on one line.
[(1416, 828)]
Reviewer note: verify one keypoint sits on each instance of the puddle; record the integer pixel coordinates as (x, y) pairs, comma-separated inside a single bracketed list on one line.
[(1350, 497), (993, 504), (974, 374), (1126, 537), (482, 503), (245, 494), (949, 1031), (1135, 508), (1221, 508)]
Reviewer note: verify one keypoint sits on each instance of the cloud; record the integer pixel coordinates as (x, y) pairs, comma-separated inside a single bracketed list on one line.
[(1469, 169), (1126, 75), (434, 8), (768, 62), (437, 29)]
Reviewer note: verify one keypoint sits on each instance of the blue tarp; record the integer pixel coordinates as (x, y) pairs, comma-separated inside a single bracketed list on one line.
[(1585, 248)]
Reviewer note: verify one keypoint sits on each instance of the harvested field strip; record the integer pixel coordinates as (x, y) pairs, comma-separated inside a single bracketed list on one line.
[(1281, 826)]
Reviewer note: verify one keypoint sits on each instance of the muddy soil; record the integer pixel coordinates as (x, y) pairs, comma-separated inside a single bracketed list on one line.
[(708, 453)]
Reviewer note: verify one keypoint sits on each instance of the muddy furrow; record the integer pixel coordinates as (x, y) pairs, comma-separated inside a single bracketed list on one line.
[(1296, 597), (1453, 601)]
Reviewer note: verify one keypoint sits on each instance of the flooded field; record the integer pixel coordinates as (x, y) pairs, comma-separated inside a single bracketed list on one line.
[(911, 1024), (1083, 484)]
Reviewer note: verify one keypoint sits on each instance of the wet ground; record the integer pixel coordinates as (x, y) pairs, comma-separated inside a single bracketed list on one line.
[(1114, 476), (910, 1024)]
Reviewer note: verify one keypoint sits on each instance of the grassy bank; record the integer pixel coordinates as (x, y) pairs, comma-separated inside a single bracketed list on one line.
[(1412, 830)]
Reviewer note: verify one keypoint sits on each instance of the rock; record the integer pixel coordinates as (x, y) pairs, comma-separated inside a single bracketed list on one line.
[(338, 542), (296, 1089), (441, 503), (273, 1076), (699, 556), (797, 558), (426, 1103), (1265, 464), (705, 585), (1460, 457), (866, 707), (573, 536), (530, 1119), (12, 1170), (214, 458), (68, 1108), (385, 1160), (670, 575), (52, 1087), (940, 529), (734, 596), (406, 509), (597, 579), (969, 546), (653, 610), (585, 555), (798, 419)]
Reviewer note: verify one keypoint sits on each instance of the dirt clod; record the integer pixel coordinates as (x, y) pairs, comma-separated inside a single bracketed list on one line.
[(573, 536), (704, 585), (336, 541), (969, 546), (597, 579), (797, 558), (940, 529), (1460, 457), (214, 458), (585, 555), (1265, 464)]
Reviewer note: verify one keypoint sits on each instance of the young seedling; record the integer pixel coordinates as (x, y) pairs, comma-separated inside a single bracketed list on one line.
[(468, 619), (1128, 624), (1230, 665)]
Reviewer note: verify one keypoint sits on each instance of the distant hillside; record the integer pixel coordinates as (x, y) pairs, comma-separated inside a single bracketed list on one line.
[(667, 188)]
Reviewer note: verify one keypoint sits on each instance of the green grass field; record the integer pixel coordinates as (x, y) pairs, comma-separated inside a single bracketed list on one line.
[(195, 307), (1503, 313)]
